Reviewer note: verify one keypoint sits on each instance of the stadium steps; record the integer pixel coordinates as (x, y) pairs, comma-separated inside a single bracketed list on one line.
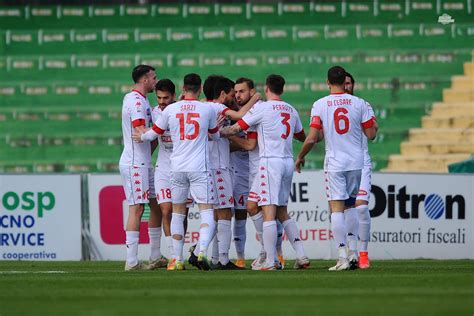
[(423, 163), (447, 134)]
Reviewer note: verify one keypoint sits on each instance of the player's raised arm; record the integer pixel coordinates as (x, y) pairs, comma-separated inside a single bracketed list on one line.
[(248, 144), (237, 115)]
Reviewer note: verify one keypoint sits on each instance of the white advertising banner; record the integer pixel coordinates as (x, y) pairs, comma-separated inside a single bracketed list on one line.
[(413, 216), (40, 217)]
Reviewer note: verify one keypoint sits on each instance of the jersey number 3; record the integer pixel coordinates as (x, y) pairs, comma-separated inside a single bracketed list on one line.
[(190, 120), (286, 117), (338, 117)]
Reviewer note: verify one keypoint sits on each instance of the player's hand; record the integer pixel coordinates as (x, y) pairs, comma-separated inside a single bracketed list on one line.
[(257, 97), (298, 164), (225, 132), (137, 137)]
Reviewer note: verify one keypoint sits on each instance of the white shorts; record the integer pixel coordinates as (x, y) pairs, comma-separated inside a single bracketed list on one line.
[(365, 184), (240, 191), (274, 181), (222, 182), (198, 184), (163, 188), (253, 184), (342, 185), (138, 184)]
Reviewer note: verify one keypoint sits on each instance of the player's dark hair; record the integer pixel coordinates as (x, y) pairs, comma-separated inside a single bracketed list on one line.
[(275, 83), (336, 75), (165, 85), (248, 81), (223, 84), (139, 71), (350, 76), (208, 87), (192, 83)]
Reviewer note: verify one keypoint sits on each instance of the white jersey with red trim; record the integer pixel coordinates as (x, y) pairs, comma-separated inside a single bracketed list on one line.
[(219, 150), (136, 111), (276, 122), (165, 145), (189, 122), (239, 160), (365, 141), (342, 118), (254, 154)]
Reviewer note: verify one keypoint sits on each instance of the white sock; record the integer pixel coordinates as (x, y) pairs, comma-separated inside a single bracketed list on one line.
[(269, 241), (258, 223), (279, 238), (224, 237), (240, 236), (132, 247), (169, 245), (338, 227), (177, 228), (215, 249), (206, 232), (364, 226), (155, 242), (352, 225), (293, 234)]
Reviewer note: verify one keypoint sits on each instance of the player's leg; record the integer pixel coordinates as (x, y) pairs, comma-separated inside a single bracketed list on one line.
[(241, 191), (337, 194), (351, 217), (156, 259), (362, 206), (163, 196), (180, 185), (135, 184), (256, 215), (203, 193), (279, 244)]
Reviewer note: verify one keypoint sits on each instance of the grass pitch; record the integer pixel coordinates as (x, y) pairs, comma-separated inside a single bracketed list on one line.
[(411, 287)]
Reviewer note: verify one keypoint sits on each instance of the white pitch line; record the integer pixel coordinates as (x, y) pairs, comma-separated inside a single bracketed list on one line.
[(25, 272)]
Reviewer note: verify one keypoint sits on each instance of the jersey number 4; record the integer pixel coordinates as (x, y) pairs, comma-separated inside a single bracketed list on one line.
[(338, 117), (190, 120)]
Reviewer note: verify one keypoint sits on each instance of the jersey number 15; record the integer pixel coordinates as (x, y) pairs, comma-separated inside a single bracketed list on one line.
[(190, 120)]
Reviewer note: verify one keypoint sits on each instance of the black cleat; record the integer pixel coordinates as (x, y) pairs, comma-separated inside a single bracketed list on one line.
[(193, 259), (353, 264), (229, 266)]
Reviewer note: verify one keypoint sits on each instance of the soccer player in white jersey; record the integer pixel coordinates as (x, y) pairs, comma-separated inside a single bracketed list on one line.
[(244, 90), (277, 122), (344, 120), (135, 165), (220, 91), (363, 196), (191, 122)]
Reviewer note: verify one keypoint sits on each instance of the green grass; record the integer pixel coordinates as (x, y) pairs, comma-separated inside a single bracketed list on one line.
[(408, 287)]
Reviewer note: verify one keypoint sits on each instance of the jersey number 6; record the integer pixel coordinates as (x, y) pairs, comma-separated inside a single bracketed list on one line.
[(338, 117)]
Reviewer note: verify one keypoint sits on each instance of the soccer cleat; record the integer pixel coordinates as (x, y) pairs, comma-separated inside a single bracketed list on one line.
[(137, 267), (229, 266), (171, 265), (161, 262), (179, 266), (193, 259), (259, 261), (282, 261), (203, 262), (302, 263), (353, 260), (270, 267), (240, 263), (364, 262), (342, 264)]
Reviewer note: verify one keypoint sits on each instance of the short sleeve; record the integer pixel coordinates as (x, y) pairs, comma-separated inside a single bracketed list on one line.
[(368, 118), (162, 120), (213, 128), (137, 111), (298, 125), (316, 116), (252, 117)]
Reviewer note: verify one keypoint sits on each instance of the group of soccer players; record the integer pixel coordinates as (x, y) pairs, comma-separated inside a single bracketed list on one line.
[(231, 154)]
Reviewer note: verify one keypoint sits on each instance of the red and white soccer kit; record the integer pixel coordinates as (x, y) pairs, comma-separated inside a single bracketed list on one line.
[(342, 118), (239, 166), (219, 153), (163, 164), (276, 122), (366, 176), (189, 122), (135, 162)]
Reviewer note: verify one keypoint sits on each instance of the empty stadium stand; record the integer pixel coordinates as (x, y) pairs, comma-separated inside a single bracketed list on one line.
[(64, 70)]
